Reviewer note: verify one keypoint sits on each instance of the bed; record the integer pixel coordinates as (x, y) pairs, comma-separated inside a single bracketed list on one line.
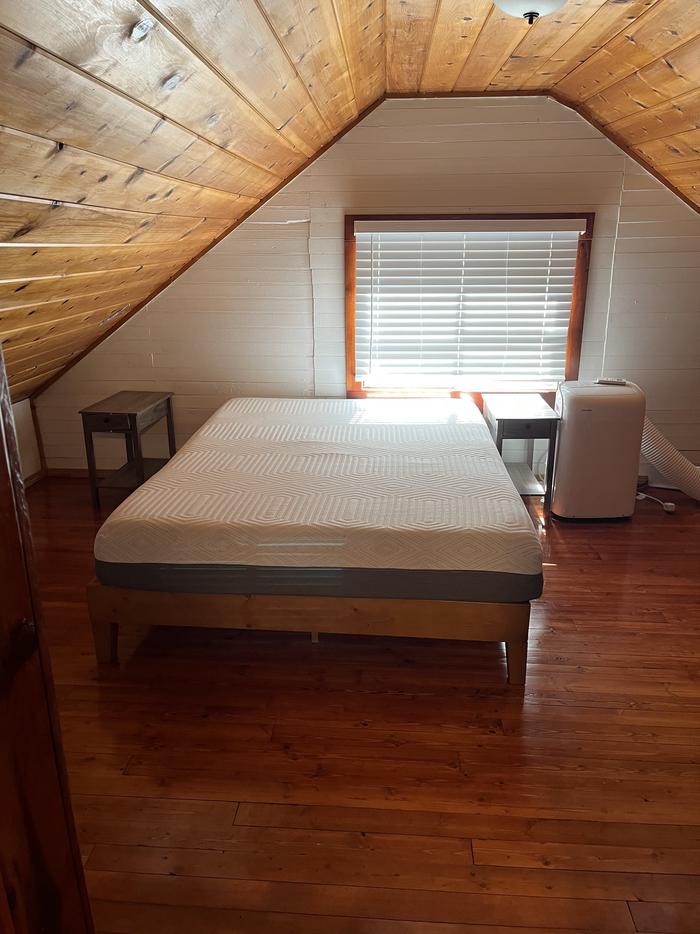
[(386, 517)]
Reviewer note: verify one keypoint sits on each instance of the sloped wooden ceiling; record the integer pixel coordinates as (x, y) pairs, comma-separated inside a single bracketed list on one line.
[(134, 135)]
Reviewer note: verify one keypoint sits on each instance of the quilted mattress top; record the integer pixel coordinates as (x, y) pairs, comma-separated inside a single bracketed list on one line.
[(371, 483)]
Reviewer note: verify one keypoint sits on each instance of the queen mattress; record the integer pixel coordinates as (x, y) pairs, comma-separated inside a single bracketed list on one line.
[(378, 498)]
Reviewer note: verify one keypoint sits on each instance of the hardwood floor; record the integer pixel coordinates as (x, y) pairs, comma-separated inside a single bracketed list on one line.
[(249, 782)]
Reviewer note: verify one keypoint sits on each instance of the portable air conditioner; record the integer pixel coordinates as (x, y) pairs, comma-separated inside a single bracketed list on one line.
[(598, 449)]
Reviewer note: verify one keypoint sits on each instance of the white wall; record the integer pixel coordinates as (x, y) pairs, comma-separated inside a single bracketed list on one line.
[(26, 438), (262, 313)]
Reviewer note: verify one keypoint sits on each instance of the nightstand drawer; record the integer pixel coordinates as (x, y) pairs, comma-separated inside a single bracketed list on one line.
[(517, 428), (106, 421)]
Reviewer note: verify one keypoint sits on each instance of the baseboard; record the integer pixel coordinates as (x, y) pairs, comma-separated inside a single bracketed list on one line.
[(33, 478), (74, 473)]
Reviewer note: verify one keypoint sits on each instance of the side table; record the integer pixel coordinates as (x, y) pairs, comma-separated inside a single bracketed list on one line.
[(129, 413), (525, 416)]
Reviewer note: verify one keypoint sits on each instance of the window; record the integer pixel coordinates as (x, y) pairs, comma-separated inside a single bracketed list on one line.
[(469, 303)]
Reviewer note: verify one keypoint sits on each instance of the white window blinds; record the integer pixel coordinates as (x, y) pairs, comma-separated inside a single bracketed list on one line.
[(450, 307)]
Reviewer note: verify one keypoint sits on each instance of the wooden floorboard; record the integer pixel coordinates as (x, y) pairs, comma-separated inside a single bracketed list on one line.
[(254, 782)]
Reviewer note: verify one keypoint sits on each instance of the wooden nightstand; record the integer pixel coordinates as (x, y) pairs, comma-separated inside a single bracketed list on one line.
[(524, 416), (128, 414)]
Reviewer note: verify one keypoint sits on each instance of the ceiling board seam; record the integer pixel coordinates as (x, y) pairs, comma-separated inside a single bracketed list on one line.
[(555, 51), (77, 275), (60, 347), (134, 101), (128, 165), (169, 26), (23, 245), (638, 72), (385, 57), (115, 292), (545, 88), (654, 6), (80, 329), (341, 34), (24, 368), (18, 369), (161, 287), (37, 305), (60, 320), (25, 334), (60, 350), (59, 341), (278, 40), (671, 101), (487, 20), (429, 43), (693, 160), (106, 209), (20, 398), (60, 244), (508, 55)]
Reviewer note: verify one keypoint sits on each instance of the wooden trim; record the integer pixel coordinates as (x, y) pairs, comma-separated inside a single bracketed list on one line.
[(351, 383), (424, 619), (438, 95), (38, 435), (475, 216), (239, 220), (40, 864), (574, 337)]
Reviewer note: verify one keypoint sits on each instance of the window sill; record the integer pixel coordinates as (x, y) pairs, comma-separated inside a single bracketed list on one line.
[(442, 392)]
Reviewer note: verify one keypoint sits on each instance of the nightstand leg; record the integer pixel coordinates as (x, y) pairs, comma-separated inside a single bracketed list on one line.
[(129, 444), (549, 474), (171, 427), (92, 472), (138, 454)]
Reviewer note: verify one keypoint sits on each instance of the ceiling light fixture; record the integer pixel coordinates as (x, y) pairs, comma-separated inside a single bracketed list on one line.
[(529, 9)]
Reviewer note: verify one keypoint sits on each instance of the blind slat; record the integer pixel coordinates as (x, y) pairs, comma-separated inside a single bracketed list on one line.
[(443, 304)]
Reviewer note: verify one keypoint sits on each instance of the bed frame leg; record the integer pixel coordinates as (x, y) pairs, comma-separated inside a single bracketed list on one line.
[(516, 658), (106, 638), (314, 638)]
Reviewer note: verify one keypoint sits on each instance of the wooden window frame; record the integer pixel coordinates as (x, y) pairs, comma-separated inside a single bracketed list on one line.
[(574, 336)]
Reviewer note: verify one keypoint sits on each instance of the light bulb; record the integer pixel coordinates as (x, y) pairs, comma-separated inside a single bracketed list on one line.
[(529, 9)]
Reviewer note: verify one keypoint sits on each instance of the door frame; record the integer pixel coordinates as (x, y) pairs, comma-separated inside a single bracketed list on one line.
[(42, 883)]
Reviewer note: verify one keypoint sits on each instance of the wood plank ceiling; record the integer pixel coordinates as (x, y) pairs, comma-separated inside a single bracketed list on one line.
[(134, 135)]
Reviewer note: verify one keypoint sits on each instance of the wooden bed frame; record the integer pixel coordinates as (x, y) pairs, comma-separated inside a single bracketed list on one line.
[(111, 607)]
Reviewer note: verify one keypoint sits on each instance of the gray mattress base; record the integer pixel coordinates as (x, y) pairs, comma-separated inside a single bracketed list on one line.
[(388, 583)]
